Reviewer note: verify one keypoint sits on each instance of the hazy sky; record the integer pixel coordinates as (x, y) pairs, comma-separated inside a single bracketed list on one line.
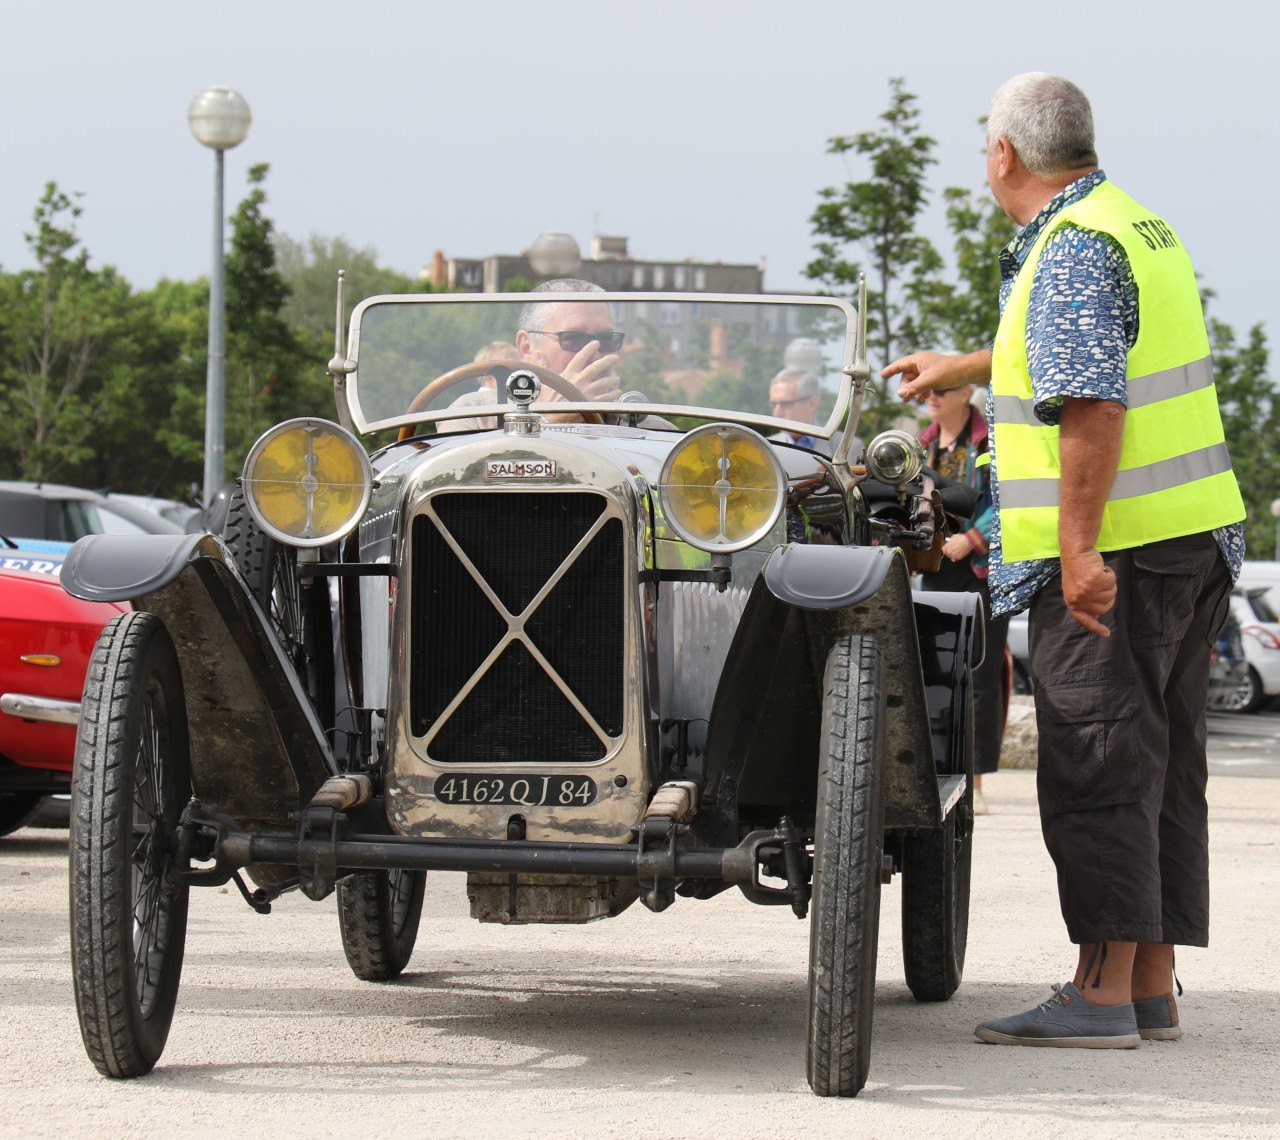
[(694, 127)]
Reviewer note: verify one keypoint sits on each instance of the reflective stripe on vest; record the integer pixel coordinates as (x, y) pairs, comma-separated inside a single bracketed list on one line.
[(1174, 476)]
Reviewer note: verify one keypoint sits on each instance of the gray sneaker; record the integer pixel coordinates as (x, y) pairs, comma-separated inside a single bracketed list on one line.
[(1157, 1018), (1066, 1021)]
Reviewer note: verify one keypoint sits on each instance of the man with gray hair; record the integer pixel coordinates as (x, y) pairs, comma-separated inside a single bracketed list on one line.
[(793, 395), (1118, 525), (574, 338), (571, 337)]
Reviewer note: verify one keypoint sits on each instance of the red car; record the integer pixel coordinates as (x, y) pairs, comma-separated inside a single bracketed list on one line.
[(46, 638)]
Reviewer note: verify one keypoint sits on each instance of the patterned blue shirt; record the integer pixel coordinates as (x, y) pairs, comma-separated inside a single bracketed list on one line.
[(1082, 319)]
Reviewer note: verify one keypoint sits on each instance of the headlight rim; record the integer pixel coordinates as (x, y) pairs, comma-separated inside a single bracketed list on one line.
[(756, 535), (915, 451), (308, 423)]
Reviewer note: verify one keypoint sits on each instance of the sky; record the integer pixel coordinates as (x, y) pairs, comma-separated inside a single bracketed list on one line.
[(697, 128)]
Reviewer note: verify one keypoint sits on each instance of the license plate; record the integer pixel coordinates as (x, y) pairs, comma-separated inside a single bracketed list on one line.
[(520, 469), (515, 791)]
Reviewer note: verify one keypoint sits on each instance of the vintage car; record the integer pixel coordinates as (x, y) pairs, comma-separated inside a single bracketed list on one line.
[(46, 639), (587, 653)]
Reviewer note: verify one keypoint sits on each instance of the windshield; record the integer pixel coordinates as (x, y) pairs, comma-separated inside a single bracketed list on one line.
[(774, 362)]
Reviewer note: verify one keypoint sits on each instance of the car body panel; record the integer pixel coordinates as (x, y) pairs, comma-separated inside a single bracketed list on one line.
[(39, 620)]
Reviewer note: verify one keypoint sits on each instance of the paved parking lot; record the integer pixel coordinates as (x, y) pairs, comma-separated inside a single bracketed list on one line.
[(687, 1023), (1244, 745)]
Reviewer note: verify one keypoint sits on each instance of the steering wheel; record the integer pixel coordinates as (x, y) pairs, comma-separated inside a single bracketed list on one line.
[(465, 372)]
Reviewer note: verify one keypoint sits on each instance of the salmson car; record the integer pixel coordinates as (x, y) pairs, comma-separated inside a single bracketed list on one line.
[(586, 620)]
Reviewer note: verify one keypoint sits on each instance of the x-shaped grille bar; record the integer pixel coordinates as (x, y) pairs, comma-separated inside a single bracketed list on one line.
[(516, 627)]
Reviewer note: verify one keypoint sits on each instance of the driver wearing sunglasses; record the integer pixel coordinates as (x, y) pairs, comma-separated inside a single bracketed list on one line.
[(574, 338)]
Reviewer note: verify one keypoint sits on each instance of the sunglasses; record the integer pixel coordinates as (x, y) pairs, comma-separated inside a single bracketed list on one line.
[(577, 341)]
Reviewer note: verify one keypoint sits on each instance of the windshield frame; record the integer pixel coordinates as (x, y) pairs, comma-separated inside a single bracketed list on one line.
[(764, 423)]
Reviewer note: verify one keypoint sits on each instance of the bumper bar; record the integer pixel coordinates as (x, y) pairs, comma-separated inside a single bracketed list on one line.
[(395, 852), (44, 709)]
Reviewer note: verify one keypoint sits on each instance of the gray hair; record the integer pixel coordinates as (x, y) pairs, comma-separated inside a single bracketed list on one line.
[(1047, 120), (533, 316), (806, 382)]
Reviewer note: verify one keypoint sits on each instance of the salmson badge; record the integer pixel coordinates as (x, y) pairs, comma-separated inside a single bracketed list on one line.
[(520, 469)]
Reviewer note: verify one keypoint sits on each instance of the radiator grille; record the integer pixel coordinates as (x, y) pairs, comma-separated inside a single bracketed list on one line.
[(516, 712)]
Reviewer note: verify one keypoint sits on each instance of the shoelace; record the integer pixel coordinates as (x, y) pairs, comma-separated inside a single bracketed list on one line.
[(1055, 1000)]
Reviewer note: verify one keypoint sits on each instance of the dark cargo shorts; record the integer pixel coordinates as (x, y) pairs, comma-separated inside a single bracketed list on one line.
[(1122, 767)]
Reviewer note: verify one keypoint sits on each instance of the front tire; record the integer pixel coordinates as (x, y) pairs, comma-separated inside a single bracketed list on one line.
[(848, 848), (132, 782), (378, 914)]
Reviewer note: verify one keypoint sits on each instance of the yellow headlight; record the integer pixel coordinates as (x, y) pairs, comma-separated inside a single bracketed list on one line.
[(722, 487), (307, 482)]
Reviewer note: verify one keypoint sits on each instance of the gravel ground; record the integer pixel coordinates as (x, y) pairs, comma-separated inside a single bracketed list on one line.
[(688, 1023)]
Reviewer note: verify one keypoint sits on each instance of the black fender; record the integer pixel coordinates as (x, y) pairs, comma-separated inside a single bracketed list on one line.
[(762, 744), (952, 638), (258, 754)]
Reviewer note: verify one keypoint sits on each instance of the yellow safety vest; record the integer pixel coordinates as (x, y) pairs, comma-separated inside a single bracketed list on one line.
[(1174, 476)]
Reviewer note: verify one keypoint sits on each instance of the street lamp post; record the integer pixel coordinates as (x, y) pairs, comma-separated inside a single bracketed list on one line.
[(1275, 514), (220, 119)]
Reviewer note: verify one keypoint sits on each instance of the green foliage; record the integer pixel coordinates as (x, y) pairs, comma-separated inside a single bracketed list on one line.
[(57, 318), (1250, 410), (310, 270), (970, 313), (270, 374), (878, 216)]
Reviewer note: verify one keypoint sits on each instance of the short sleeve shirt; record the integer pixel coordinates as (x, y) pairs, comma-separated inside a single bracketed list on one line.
[(1082, 319)]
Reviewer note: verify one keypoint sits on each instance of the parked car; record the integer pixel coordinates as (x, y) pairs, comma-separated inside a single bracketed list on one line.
[(1264, 575), (1228, 668), (596, 653), (63, 514), (46, 638), (1020, 653), (171, 510), (1260, 636)]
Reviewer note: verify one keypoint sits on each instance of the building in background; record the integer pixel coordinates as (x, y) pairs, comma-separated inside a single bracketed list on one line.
[(611, 266)]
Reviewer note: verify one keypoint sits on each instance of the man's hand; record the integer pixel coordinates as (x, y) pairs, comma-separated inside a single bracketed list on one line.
[(1088, 588), (596, 381), (925, 372), (957, 547)]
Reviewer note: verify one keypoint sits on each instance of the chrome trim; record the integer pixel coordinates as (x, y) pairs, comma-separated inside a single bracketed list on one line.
[(780, 481), (45, 709), (309, 424), (823, 431), (515, 628), (410, 771)]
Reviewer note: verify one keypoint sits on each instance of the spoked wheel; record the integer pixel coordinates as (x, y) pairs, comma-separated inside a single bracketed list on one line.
[(132, 781), (378, 913), (848, 847), (300, 612), (936, 867), (17, 809)]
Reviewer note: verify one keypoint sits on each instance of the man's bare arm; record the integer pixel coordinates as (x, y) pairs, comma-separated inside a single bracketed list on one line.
[(925, 372), (1089, 450)]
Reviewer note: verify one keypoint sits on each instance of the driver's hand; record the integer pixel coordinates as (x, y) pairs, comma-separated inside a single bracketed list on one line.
[(595, 380)]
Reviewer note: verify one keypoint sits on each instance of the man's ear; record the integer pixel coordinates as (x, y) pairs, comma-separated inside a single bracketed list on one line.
[(524, 344), (1006, 157)]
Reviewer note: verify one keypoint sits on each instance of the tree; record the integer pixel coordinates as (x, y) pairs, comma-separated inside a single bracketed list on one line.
[(56, 319), (270, 375), (879, 216), (969, 314), (1250, 409), (310, 270)]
